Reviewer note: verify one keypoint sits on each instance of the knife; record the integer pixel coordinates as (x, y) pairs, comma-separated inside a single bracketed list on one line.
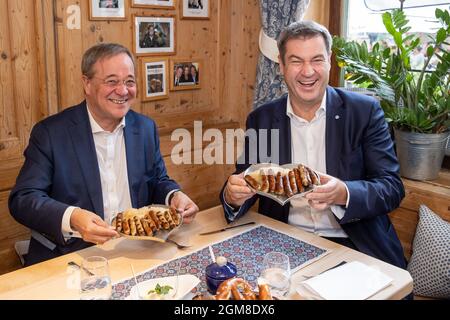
[(227, 228)]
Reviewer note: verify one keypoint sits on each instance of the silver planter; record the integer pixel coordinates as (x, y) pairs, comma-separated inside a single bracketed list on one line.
[(420, 154)]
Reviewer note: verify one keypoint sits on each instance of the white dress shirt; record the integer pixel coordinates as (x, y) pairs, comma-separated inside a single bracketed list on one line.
[(112, 163), (308, 147)]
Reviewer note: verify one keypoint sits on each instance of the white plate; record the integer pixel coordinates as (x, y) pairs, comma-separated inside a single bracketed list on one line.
[(186, 283), (255, 168)]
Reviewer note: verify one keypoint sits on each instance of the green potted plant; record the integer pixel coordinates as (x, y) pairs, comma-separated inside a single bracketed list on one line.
[(416, 102)]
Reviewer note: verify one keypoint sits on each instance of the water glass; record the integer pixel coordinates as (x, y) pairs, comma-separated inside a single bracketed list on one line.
[(276, 272), (95, 281)]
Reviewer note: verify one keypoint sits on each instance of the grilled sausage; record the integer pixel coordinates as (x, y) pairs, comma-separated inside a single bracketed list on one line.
[(139, 228), (279, 190), (165, 224), (271, 179), (313, 176), (252, 182), (306, 181), (155, 219), (148, 230), (169, 219), (119, 222), (175, 216), (298, 180), (151, 223), (132, 224), (126, 227), (287, 186), (264, 182), (292, 183)]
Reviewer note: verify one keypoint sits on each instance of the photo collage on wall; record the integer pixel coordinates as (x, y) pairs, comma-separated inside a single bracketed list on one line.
[(154, 38)]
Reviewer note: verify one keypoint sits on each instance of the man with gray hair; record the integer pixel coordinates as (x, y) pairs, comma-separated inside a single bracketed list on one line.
[(341, 135), (91, 161)]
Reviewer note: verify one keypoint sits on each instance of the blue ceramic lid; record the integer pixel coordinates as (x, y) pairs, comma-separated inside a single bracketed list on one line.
[(221, 269)]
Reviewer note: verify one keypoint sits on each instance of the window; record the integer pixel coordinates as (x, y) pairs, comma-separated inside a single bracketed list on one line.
[(364, 22)]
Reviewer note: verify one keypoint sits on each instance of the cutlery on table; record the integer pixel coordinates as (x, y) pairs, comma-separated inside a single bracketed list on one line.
[(227, 228), (74, 264)]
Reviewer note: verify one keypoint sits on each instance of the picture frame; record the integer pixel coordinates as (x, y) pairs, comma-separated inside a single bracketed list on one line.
[(189, 78), (154, 35), (107, 10), (195, 9), (154, 79), (155, 4)]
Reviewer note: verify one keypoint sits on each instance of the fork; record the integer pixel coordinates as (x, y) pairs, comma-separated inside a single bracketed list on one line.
[(73, 263), (179, 246)]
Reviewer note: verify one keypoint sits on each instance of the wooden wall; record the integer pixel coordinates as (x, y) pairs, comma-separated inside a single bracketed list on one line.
[(27, 94)]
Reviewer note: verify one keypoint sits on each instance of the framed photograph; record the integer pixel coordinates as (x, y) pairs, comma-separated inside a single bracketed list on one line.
[(185, 74), (157, 4), (154, 35), (155, 84), (194, 9), (107, 10)]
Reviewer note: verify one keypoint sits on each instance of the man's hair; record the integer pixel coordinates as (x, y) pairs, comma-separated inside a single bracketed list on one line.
[(99, 52), (303, 30)]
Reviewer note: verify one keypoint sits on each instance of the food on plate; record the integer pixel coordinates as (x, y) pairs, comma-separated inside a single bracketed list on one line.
[(252, 182), (146, 221), (239, 289), (159, 293), (264, 182), (279, 189), (283, 181)]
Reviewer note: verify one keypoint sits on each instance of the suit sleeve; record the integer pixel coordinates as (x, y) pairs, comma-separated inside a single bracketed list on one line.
[(163, 184), (29, 201), (382, 189), (242, 164)]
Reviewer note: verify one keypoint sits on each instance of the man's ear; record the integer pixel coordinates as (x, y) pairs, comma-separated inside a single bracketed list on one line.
[(281, 64), (86, 84)]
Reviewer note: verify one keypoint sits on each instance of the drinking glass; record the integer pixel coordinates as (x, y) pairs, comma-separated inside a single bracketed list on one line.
[(95, 281), (276, 272)]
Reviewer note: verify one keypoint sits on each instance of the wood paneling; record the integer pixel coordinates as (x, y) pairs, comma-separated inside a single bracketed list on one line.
[(27, 94), (319, 11), (334, 25), (10, 232)]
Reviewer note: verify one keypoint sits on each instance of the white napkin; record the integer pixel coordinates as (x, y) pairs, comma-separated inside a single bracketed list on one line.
[(351, 281)]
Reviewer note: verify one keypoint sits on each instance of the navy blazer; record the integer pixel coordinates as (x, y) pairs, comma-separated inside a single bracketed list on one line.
[(360, 152), (61, 170)]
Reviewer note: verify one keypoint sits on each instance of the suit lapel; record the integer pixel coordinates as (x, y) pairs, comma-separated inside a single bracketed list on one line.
[(135, 156), (83, 143), (334, 131), (282, 123)]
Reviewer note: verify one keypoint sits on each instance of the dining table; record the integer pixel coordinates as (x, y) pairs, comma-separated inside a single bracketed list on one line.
[(55, 279)]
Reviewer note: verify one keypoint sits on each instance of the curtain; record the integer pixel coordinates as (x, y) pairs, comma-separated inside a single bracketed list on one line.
[(275, 15)]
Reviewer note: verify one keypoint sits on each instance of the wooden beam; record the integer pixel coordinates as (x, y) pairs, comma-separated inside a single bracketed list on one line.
[(334, 26)]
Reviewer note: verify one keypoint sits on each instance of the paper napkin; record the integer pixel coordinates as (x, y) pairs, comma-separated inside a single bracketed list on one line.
[(351, 281)]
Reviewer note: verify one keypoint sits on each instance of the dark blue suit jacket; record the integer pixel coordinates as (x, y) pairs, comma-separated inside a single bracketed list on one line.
[(61, 170), (359, 151)]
